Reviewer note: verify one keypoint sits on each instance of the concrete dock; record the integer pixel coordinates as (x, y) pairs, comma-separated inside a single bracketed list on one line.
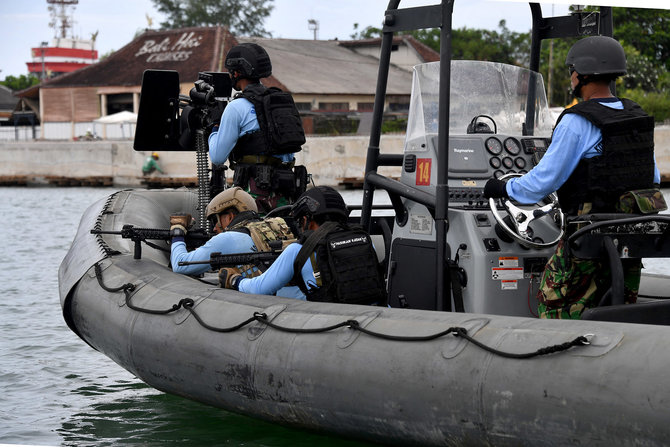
[(334, 161), (115, 163)]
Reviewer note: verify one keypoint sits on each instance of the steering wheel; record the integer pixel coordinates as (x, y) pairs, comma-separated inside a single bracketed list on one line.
[(521, 217)]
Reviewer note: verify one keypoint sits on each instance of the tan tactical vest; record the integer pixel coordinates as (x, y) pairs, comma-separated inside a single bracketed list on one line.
[(263, 232)]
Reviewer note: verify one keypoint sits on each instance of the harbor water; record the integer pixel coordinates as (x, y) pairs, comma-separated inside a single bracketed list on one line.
[(55, 389)]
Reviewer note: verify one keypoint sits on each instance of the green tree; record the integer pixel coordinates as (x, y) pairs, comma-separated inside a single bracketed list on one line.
[(479, 44), (648, 30), (20, 82), (366, 33), (242, 17), (643, 72), (559, 93)]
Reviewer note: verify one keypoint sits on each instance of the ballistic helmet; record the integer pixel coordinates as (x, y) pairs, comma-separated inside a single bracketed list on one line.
[(231, 198), (250, 59), (319, 201), (597, 55)]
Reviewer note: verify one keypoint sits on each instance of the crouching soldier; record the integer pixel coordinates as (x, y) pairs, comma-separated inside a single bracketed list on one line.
[(331, 261), (233, 216)]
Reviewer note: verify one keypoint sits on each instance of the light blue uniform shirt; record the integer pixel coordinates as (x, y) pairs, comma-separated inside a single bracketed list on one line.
[(226, 243), (239, 118), (279, 274), (574, 138)]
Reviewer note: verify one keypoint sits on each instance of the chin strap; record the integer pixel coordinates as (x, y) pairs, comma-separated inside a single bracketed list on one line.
[(583, 80)]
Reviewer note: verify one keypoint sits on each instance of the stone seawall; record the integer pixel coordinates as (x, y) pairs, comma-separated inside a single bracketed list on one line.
[(329, 159), (662, 151)]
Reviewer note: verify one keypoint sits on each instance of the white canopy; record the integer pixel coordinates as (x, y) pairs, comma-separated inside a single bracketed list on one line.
[(118, 118)]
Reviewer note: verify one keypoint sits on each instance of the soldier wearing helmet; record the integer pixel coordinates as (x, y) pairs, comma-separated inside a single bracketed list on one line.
[(601, 154), (331, 261), (151, 165), (262, 159), (233, 217)]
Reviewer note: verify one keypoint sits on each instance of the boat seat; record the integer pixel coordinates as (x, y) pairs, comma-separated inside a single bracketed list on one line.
[(648, 312), (614, 238)]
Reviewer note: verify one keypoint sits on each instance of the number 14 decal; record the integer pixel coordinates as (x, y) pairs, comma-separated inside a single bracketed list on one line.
[(423, 171)]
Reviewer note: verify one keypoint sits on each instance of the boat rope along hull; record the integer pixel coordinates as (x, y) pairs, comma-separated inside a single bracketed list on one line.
[(442, 392)]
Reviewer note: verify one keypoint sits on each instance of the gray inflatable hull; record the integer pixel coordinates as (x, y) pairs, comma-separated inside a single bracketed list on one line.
[(448, 391)]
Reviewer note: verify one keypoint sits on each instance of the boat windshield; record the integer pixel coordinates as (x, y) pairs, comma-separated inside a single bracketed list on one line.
[(479, 88)]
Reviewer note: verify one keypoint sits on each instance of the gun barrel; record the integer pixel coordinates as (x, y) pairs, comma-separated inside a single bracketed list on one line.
[(151, 233), (183, 263), (217, 260), (94, 231)]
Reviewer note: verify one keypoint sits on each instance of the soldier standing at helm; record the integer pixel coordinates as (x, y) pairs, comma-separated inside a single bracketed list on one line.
[(259, 132), (601, 160), (151, 165)]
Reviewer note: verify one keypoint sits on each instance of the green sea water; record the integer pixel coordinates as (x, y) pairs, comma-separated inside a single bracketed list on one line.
[(57, 390)]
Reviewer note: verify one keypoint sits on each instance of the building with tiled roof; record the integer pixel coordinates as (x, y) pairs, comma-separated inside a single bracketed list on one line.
[(7, 102), (323, 76)]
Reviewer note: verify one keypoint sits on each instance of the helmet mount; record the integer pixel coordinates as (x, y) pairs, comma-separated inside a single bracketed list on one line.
[(320, 201)]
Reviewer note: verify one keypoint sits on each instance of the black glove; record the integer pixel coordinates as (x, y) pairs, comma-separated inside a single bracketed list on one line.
[(214, 113), (495, 188)]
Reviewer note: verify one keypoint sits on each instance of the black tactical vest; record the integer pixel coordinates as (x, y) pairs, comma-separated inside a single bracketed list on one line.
[(626, 161), (345, 266), (281, 130)]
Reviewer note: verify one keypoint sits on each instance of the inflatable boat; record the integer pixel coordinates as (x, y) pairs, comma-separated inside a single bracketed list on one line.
[(397, 376), (459, 356)]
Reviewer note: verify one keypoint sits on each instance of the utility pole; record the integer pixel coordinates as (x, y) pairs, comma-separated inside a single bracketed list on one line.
[(551, 63)]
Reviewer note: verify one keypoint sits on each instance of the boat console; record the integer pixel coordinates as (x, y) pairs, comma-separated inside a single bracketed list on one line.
[(493, 264), (472, 158), (489, 136)]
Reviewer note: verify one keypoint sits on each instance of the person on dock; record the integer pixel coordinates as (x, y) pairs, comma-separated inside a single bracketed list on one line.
[(233, 217), (259, 132), (331, 261), (601, 160), (151, 165)]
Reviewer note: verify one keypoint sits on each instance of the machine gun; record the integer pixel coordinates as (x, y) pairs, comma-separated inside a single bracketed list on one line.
[(169, 121), (193, 238), (261, 259)]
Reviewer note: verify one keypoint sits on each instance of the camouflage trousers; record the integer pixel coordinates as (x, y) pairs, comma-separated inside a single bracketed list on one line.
[(571, 285)]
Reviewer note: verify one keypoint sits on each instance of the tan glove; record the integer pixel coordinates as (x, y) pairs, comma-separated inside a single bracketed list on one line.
[(180, 223), (229, 278)]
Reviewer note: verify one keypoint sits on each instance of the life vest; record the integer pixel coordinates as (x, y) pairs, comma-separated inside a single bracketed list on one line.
[(263, 233), (345, 266), (626, 162), (281, 130)]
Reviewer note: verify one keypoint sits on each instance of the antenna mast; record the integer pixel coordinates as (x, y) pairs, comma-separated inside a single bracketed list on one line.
[(60, 21)]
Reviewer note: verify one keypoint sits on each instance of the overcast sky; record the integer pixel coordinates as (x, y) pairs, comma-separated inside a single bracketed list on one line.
[(24, 24)]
